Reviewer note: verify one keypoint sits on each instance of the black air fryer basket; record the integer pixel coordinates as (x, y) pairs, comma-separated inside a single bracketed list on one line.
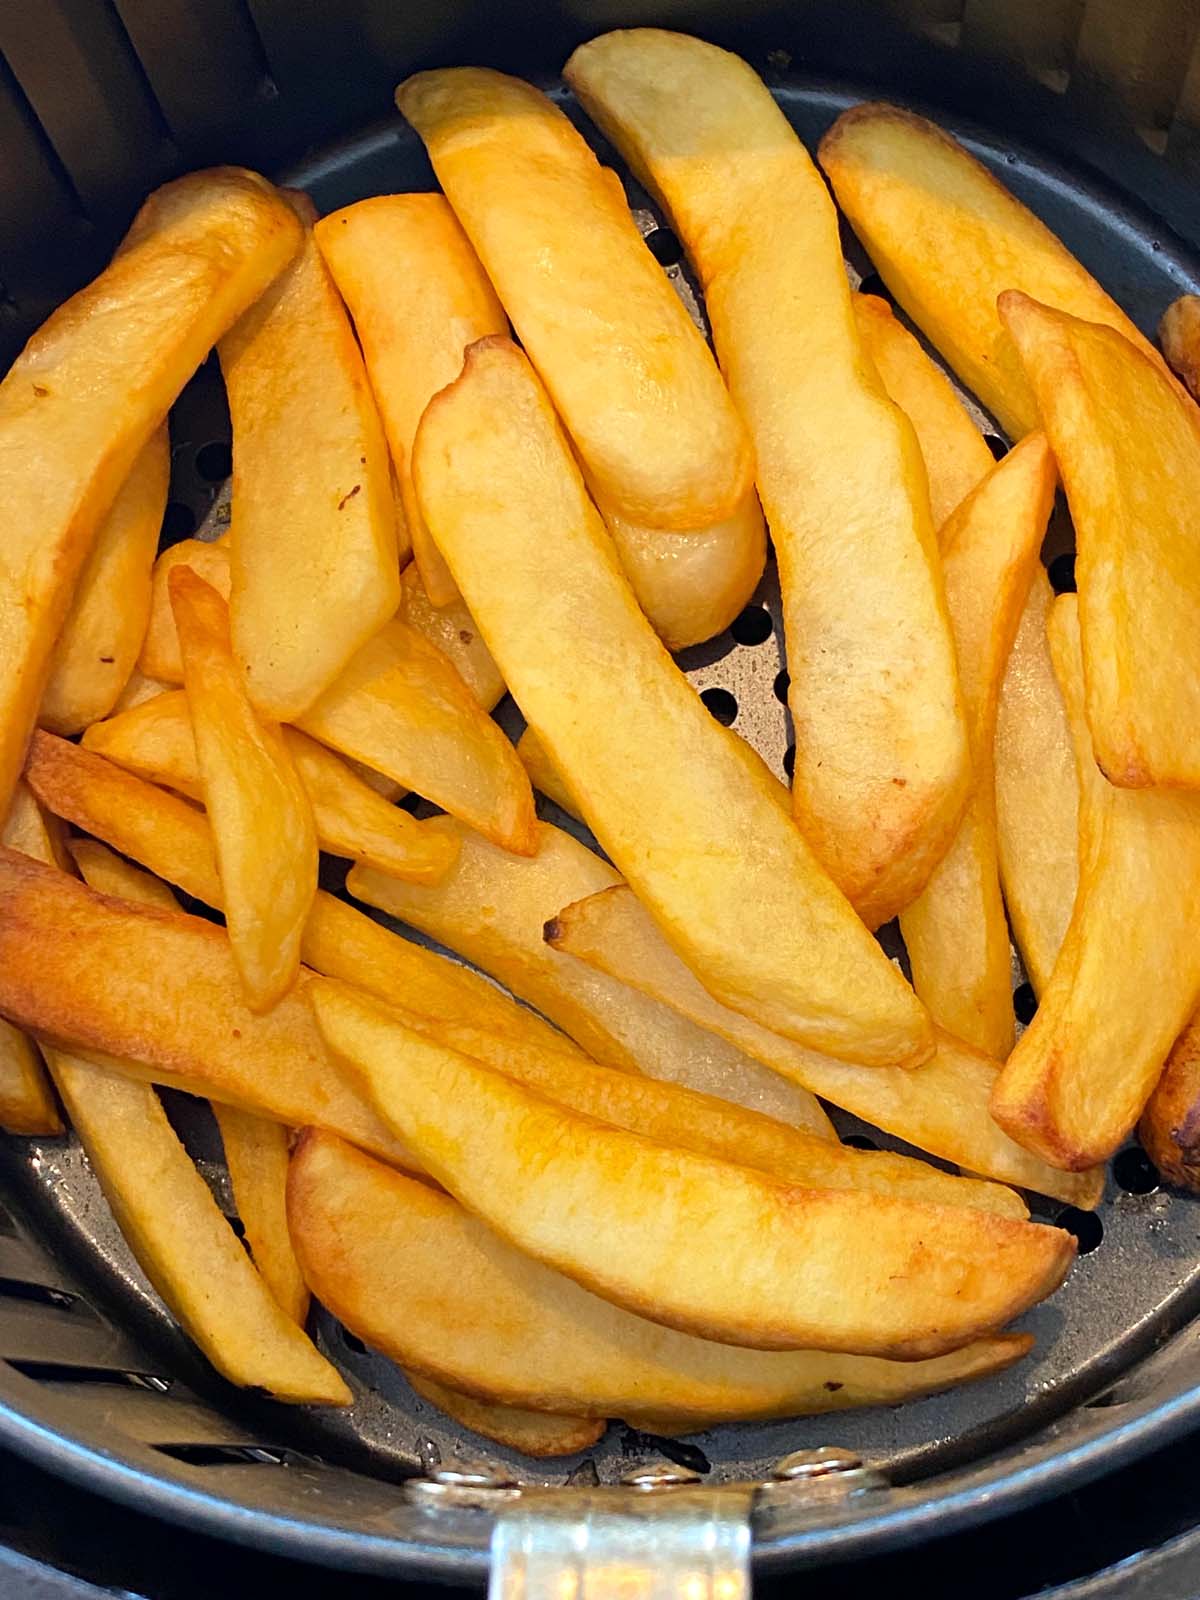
[(1090, 111)]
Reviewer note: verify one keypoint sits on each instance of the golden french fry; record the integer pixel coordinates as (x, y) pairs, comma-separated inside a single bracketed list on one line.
[(882, 768), (1037, 794), (401, 708), (156, 741), (27, 1102), (671, 795), (534, 1433), (91, 387), (101, 869), (1179, 335), (452, 628), (627, 368), (137, 691), (947, 238), (1128, 975), (492, 908), (956, 932), (420, 1279), (312, 490), (543, 774), (257, 1153), (765, 1260), (209, 559), (261, 819), (1127, 441), (1169, 1128), (103, 632), (419, 297), (952, 447), (941, 1107)]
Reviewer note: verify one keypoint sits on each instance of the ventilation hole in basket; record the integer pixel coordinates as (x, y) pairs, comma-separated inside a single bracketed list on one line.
[(179, 522), (752, 626), (353, 1343), (789, 761), (997, 445), (722, 704), (1085, 1225), (214, 461), (636, 1443), (874, 284), (664, 247), (43, 1295), (781, 685), (1133, 1171), (238, 1226), (1062, 573), (225, 1455), (860, 1141), (70, 1372), (1025, 1003)]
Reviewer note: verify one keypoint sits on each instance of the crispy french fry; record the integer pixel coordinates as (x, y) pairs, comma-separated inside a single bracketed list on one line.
[(543, 774), (103, 632), (952, 447), (156, 741), (941, 1107), (628, 370), (91, 387), (1170, 1125), (1128, 975), (1037, 794), (402, 708), (956, 932), (534, 1433), (882, 767), (419, 297), (419, 1278), (670, 795), (101, 869), (492, 908), (947, 238), (261, 819), (1128, 446), (312, 490), (257, 1153), (1179, 335), (766, 1260), (27, 1102), (209, 559), (452, 628), (137, 691)]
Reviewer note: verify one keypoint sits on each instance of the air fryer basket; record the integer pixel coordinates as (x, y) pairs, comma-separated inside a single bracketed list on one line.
[(95, 1379)]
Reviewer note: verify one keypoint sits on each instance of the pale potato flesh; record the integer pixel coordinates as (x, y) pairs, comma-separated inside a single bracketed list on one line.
[(544, 775), (952, 447), (261, 818), (103, 633), (420, 1279), (1179, 335), (769, 1265), (209, 559), (312, 492), (882, 767), (1037, 794), (492, 908), (671, 795), (533, 1433), (955, 932), (452, 628), (138, 689), (90, 388), (941, 1107), (947, 238), (257, 1152), (1128, 975), (1127, 440), (629, 372)]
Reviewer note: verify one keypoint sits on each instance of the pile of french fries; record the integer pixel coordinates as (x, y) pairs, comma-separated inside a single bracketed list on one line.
[(604, 1185)]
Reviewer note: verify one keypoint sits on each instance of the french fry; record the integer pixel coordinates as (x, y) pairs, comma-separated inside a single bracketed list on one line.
[(952, 447), (103, 632), (419, 297), (452, 628), (1169, 1128), (627, 368), (261, 819), (882, 768), (89, 390), (137, 691), (941, 1107), (420, 1279), (108, 873), (947, 238), (257, 1153), (1037, 794), (955, 932), (543, 774), (669, 794), (1179, 335), (1127, 440), (533, 1433), (401, 708), (155, 740), (208, 559), (1128, 975), (492, 907), (312, 490), (766, 1260), (27, 1104)]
